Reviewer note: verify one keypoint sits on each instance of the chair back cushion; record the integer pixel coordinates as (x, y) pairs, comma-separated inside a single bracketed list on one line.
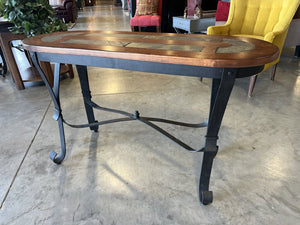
[(259, 17), (148, 7), (222, 11), (264, 19)]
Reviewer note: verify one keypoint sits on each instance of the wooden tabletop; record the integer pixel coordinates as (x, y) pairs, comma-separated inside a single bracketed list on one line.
[(194, 49)]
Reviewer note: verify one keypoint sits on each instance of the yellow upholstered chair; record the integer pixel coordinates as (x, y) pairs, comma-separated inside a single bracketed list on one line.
[(267, 20)]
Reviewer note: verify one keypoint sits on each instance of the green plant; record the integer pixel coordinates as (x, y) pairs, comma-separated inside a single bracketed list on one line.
[(31, 17)]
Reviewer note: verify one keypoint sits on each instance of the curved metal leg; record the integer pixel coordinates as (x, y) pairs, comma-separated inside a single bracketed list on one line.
[(53, 155), (221, 90), (58, 116), (54, 93), (211, 149)]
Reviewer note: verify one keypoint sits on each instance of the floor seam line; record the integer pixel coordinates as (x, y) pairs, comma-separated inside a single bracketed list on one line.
[(25, 155)]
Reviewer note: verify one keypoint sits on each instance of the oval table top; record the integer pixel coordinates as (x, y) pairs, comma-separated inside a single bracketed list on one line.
[(183, 49)]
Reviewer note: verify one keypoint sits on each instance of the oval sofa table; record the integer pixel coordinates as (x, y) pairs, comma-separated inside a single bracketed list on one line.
[(221, 58)]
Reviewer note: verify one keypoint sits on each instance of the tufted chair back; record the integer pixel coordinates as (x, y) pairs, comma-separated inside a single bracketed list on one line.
[(262, 18), (267, 20)]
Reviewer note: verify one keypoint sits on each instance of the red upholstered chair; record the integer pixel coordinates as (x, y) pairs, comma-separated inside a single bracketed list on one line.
[(222, 11), (147, 20)]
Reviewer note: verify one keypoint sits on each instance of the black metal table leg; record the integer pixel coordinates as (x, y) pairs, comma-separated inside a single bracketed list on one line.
[(54, 93), (86, 93), (58, 116), (221, 90)]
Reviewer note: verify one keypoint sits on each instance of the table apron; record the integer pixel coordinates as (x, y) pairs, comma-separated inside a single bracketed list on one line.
[(145, 66)]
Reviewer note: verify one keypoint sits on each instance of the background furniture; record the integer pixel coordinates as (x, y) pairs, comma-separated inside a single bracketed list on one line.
[(3, 65), (206, 5), (197, 25), (89, 2), (29, 73), (4, 28), (222, 12), (79, 4), (170, 9), (117, 2), (293, 35), (262, 19), (147, 20), (125, 4), (176, 8), (192, 25), (67, 11)]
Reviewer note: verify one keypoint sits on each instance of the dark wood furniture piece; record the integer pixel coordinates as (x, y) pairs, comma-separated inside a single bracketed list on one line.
[(28, 74), (67, 11), (79, 4), (89, 2), (4, 28), (169, 10), (117, 3), (221, 58), (3, 65)]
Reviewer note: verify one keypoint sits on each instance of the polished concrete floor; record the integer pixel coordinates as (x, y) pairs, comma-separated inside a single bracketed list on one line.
[(128, 174)]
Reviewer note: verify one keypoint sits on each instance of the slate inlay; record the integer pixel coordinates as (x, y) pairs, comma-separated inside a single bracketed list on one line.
[(142, 41)]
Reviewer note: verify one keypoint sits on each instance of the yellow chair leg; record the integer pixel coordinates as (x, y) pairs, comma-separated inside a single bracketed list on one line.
[(273, 71), (251, 85)]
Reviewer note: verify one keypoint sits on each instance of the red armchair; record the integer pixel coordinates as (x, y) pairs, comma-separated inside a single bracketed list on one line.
[(222, 11), (147, 20)]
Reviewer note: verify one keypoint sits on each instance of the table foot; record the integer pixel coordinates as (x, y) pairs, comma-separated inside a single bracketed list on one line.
[(57, 160), (206, 197), (53, 155)]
